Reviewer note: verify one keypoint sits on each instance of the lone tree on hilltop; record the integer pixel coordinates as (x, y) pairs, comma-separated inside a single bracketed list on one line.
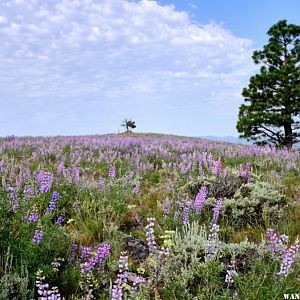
[(128, 124), (272, 110)]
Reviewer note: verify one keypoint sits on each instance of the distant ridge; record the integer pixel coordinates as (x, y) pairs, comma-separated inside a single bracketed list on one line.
[(235, 140), (228, 139)]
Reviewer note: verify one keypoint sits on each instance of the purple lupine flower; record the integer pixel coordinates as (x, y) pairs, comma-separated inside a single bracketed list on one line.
[(137, 282), (44, 181), (168, 186), (112, 172), (217, 209), (288, 259), (181, 205), (229, 278), (2, 162), (19, 180), (163, 253), (275, 243), (130, 175), (28, 190), (248, 169), (73, 252), (101, 183), (38, 236), (122, 278), (248, 172), (13, 195), (102, 253), (213, 233), (75, 172), (200, 198), (55, 195), (74, 248), (213, 242), (186, 211), (167, 208), (16, 205), (150, 236), (96, 260), (217, 169), (182, 169), (225, 172), (52, 205), (200, 168), (34, 156), (284, 238), (33, 217), (185, 216), (9, 188), (44, 291), (137, 218), (136, 189), (59, 221), (210, 160), (85, 253), (55, 264), (176, 215), (60, 168)]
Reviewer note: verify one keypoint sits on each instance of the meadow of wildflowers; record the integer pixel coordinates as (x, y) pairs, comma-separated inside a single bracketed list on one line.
[(147, 217)]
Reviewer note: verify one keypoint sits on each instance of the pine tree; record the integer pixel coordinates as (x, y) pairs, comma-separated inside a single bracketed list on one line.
[(128, 124), (272, 110)]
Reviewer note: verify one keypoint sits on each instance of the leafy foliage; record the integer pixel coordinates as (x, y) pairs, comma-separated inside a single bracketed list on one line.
[(271, 114), (128, 124)]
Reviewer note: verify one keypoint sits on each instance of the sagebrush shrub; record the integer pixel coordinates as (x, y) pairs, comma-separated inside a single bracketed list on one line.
[(254, 203), (14, 287)]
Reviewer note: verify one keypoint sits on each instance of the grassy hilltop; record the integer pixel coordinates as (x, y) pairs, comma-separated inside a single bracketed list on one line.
[(147, 216)]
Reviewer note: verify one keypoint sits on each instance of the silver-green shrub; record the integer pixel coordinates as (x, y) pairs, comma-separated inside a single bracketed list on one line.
[(254, 203)]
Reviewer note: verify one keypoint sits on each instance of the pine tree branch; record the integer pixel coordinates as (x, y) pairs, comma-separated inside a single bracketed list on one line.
[(271, 134)]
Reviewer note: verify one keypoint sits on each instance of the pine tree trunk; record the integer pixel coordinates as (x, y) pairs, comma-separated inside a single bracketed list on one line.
[(288, 135)]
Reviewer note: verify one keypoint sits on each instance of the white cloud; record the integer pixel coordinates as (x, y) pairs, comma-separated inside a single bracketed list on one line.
[(3, 19), (110, 49)]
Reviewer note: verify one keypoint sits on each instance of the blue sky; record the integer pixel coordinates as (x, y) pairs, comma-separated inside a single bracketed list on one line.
[(82, 66)]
